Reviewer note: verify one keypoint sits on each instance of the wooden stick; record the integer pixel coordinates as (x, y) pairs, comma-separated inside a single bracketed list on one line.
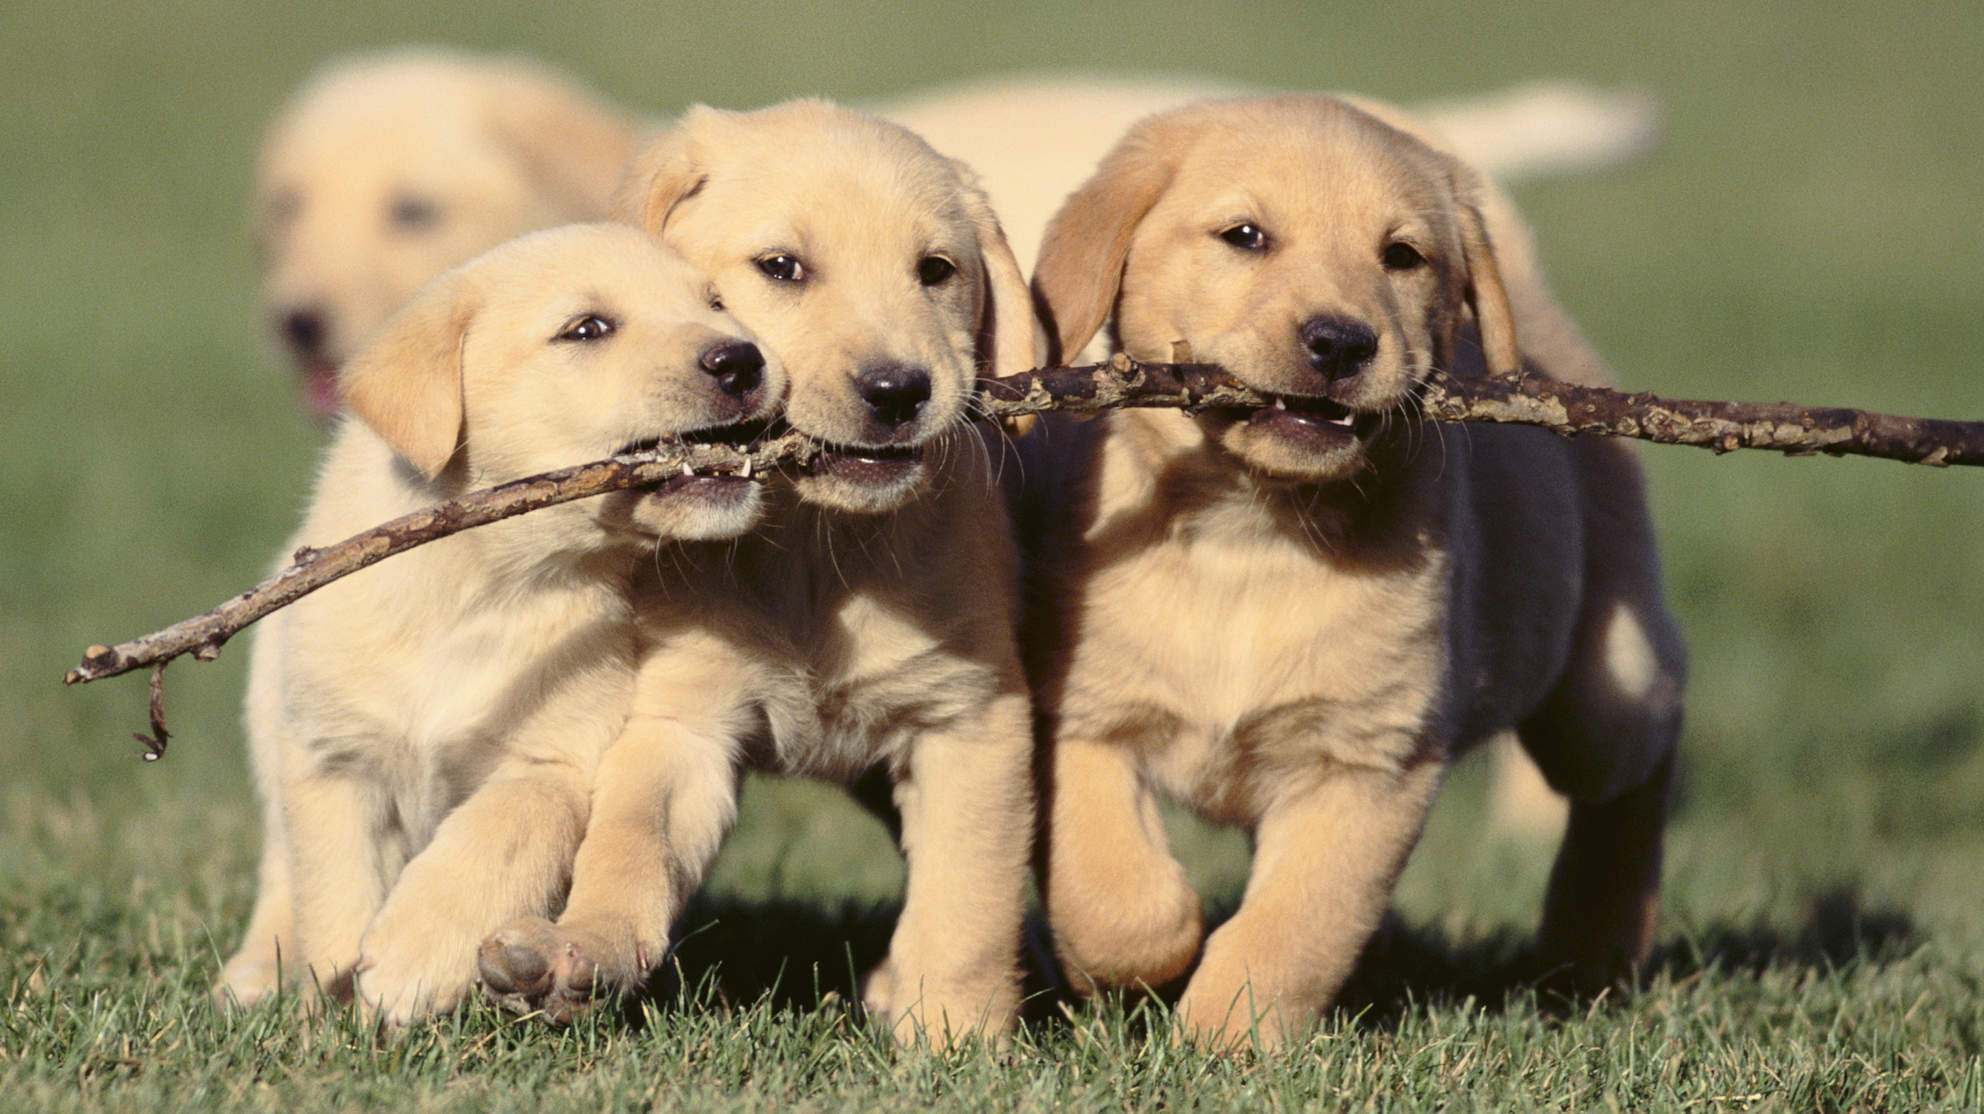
[(1565, 408)]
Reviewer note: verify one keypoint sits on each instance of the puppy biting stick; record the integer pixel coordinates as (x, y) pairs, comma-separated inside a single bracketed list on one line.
[(1563, 408)]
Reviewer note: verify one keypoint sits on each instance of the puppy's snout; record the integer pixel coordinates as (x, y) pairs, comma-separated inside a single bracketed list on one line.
[(304, 329), (894, 392), (1338, 347), (737, 366)]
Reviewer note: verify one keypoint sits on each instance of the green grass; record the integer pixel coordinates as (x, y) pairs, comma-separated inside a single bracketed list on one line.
[(1810, 231)]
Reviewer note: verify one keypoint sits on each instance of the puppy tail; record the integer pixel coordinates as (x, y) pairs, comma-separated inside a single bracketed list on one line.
[(1548, 128)]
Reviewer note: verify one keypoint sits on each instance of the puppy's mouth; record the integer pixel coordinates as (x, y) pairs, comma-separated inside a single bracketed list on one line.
[(866, 466), (722, 481), (709, 504), (863, 479), (317, 388), (1306, 422)]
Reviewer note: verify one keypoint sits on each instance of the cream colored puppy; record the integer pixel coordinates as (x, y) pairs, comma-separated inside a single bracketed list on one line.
[(385, 170), (1034, 137), (426, 733), (870, 621), (1292, 620)]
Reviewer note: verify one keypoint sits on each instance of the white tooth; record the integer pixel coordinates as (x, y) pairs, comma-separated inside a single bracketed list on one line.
[(1280, 404), (686, 470), (747, 467)]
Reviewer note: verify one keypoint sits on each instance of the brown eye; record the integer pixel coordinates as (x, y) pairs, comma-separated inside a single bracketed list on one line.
[(1400, 256), (783, 268), (1246, 236), (935, 270), (412, 213), (586, 327)]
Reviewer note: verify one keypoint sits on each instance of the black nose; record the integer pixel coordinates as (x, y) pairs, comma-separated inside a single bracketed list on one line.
[(737, 366), (1339, 347), (304, 330), (894, 392)]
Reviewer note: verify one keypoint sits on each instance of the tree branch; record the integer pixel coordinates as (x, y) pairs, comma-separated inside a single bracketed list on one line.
[(310, 569), (1561, 407)]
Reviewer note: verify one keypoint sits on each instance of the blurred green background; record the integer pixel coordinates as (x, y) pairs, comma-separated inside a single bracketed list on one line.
[(1811, 229)]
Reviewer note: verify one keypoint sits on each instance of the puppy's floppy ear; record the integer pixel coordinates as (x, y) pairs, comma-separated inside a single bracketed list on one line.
[(570, 140), (1485, 292), (664, 173), (1081, 259), (1010, 339), (407, 383)]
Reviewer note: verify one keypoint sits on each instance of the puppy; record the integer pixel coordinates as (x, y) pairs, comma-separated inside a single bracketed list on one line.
[(426, 733), (1034, 137), (386, 170), (870, 621), (1291, 620)]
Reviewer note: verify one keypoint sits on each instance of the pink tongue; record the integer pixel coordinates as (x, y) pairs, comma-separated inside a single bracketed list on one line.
[(320, 393)]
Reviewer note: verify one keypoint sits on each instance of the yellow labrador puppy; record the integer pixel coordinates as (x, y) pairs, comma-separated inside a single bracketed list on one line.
[(869, 622), (1033, 137), (385, 170), (1291, 620), (426, 733)]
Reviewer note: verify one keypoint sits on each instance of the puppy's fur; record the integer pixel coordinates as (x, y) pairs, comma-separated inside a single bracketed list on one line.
[(426, 733), (385, 170), (1292, 621), (1034, 137), (870, 621)]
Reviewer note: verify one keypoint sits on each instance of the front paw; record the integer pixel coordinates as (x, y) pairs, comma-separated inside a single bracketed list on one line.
[(1223, 1015), (878, 993), (917, 1010), (247, 980), (533, 965), (399, 985), (1231, 1004)]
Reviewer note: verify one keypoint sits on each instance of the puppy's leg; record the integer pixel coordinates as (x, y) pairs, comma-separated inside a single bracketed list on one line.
[(1606, 735), (268, 947), (502, 854), (1123, 913), (1325, 859), (340, 851), (1615, 760), (966, 798), (1604, 894), (664, 800)]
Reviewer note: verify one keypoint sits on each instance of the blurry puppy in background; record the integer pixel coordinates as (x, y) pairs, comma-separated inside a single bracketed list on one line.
[(1293, 619), (385, 170), (869, 623), (425, 734)]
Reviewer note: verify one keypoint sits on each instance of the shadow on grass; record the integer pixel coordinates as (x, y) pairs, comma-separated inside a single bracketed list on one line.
[(794, 952), (1406, 968), (799, 954)]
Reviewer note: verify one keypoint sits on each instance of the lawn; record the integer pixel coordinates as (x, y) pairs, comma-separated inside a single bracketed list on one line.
[(1811, 230)]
